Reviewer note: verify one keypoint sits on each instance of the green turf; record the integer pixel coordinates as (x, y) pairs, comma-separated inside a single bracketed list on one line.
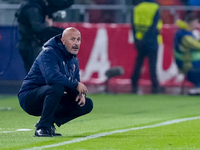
[(111, 112), (183, 135)]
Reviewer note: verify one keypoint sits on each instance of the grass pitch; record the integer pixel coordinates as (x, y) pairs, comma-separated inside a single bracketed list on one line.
[(111, 112)]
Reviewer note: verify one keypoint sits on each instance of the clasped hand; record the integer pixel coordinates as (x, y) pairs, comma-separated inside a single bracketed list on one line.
[(81, 96), (81, 99), (81, 88)]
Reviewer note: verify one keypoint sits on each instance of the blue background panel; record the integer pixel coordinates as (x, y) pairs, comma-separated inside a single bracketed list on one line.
[(11, 64)]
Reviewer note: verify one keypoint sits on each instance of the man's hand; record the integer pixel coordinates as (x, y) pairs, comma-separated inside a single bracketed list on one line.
[(81, 98), (49, 21), (81, 88)]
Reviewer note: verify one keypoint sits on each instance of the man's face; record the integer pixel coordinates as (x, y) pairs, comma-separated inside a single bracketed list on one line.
[(72, 41), (194, 24)]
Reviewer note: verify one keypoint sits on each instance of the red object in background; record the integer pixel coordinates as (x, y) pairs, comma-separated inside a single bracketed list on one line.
[(102, 16), (166, 15), (108, 45), (169, 2)]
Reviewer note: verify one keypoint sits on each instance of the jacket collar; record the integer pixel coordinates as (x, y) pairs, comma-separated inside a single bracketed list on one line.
[(63, 49)]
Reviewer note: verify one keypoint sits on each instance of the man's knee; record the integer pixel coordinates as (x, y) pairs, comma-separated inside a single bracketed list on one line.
[(56, 89), (89, 105)]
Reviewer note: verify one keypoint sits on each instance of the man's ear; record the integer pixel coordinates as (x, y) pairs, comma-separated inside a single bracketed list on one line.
[(62, 41)]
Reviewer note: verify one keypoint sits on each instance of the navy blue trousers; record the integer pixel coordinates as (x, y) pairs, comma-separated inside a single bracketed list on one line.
[(194, 76), (54, 106), (151, 54)]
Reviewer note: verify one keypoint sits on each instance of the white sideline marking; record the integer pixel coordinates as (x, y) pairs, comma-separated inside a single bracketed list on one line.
[(16, 130), (5, 108), (113, 132), (24, 129)]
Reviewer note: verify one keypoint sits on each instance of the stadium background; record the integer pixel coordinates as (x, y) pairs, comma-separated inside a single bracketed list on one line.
[(107, 42), (152, 121)]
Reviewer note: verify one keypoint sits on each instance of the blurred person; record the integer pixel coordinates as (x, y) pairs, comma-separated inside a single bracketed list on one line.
[(52, 88), (146, 25), (187, 51), (35, 26)]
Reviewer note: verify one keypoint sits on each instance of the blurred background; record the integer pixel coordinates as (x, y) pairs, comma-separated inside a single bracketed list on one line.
[(103, 11), (107, 37)]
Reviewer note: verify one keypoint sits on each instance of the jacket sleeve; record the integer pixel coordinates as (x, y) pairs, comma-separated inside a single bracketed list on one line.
[(190, 42), (77, 75), (36, 19), (49, 66)]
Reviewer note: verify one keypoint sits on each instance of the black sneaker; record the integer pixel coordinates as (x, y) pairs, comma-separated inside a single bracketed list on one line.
[(53, 131), (43, 132)]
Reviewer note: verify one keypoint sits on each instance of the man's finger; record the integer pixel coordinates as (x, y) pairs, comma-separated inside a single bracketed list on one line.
[(77, 97), (81, 101), (85, 91), (82, 104)]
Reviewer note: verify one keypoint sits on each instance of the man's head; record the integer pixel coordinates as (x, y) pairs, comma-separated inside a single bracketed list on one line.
[(71, 39), (192, 21)]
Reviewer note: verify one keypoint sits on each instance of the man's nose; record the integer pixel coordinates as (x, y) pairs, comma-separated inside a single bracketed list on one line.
[(76, 42)]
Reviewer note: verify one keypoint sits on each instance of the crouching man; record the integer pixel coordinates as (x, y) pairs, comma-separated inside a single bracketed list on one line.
[(52, 88)]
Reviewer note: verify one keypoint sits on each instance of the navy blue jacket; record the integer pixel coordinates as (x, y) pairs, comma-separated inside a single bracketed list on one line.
[(53, 65)]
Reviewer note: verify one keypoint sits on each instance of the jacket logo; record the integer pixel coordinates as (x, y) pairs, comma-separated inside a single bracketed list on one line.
[(74, 67)]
